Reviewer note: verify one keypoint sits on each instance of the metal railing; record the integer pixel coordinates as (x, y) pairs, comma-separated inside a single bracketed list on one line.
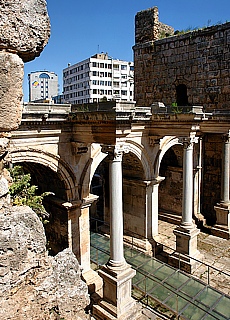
[(149, 300), (208, 275)]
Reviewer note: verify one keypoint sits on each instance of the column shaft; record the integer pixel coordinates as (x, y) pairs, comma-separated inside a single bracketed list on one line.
[(116, 212), (225, 172), (187, 203)]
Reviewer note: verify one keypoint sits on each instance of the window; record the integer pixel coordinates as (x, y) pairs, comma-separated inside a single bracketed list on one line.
[(102, 65), (109, 66), (124, 76), (109, 92), (123, 67), (101, 74), (94, 82), (116, 91), (116, 66), (132, 68), (94, 91), (95, 64), (116, 84), (44, 76), (109, 74), (181, 95), (109, 83), (124, 92), (94, 73), (102, 83)]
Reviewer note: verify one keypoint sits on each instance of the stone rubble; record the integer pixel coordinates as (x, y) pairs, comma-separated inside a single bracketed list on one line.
[(34, 285)]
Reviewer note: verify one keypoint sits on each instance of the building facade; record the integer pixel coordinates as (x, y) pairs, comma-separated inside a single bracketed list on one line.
[(98, 78), (43, 85)]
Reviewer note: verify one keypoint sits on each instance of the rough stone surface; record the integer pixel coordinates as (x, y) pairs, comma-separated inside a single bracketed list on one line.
[(24, 27), (148, 27), (197, 60), (32, 284), (11, 78)]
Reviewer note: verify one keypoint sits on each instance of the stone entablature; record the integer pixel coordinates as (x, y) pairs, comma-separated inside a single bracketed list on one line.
[(199, 60)]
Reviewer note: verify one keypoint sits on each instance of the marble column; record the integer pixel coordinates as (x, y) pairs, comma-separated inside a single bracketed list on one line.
[(116, 211), (225, 170), (117, 275), (222, 226), (187, 201), (187, 232)]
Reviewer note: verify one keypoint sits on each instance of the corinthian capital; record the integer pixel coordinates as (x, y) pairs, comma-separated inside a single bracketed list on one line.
[(115, 152), (188, 141), (226, 137)]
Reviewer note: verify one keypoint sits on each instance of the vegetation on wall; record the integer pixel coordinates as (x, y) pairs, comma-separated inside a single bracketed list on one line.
[(23, 193)]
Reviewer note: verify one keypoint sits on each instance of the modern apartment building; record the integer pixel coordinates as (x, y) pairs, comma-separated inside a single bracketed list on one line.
[(43, 85), (98, 78)]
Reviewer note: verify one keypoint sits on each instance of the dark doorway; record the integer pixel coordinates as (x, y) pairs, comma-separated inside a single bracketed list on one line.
[(181, 95)]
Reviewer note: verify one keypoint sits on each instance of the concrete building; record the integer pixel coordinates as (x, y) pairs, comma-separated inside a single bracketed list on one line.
[(43, 85), (98, 78)]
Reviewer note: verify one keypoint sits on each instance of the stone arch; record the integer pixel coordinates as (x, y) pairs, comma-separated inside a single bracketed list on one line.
[(165, 144), (98, 156), (90, 167), (140, 152), (51, 161)]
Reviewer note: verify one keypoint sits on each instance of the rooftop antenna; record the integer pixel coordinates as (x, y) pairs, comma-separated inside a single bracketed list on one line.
[(98, 47)]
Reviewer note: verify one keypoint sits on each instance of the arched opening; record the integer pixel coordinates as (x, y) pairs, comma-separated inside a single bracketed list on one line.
[(171, 188), (134, 197), (49, 181), (99, 210), (181, 95)]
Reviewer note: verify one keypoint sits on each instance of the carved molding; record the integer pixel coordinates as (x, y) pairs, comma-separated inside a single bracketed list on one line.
[(188, 141), (115, 152)]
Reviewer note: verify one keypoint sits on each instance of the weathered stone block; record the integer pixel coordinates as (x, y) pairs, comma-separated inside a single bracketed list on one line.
[(24, 27), (11, 78)]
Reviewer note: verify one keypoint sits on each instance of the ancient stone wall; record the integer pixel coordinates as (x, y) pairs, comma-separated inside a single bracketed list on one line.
[(211, 186), (134, 194), (148, 27), (188, 69)]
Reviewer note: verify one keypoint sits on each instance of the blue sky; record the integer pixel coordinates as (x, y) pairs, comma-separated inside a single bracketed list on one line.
[(80, 29)]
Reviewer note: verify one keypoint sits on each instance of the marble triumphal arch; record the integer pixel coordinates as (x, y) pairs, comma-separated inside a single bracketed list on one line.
[(133, 147)]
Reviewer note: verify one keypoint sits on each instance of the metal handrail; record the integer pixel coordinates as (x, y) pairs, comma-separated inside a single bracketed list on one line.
[(132, 234), (147, 294)]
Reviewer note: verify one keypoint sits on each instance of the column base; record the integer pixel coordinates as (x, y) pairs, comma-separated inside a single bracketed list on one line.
[(185, 263), (117, 302), (222, 226), (186, 249), (93, 281), (186, 240)]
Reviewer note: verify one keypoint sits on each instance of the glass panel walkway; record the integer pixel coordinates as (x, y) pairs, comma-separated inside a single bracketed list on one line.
[(156, 281)]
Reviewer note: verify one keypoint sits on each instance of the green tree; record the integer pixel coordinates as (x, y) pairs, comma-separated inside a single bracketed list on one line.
[(23, 193)]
